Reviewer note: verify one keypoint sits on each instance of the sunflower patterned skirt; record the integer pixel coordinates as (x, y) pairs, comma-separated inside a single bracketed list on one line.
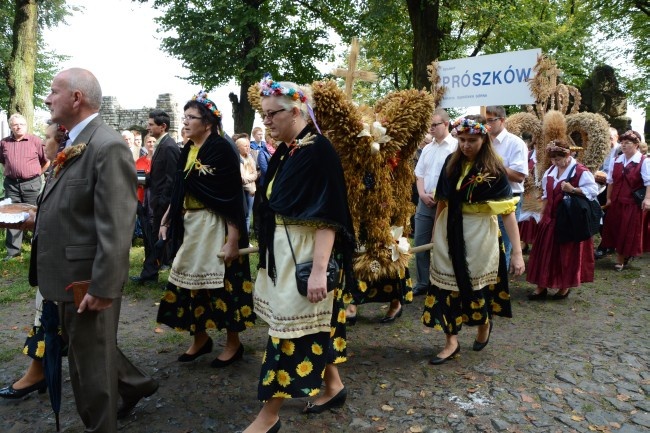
[(229, 307), (444, 310), (295, 367), (385, 290), (35, 341)]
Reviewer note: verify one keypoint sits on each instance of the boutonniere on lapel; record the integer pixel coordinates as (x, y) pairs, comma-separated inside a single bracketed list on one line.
[(475, 181), (67, 155), (304, 141)]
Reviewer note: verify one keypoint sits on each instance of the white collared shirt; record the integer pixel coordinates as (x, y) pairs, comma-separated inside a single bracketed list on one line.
[(76, 130), (514, 152), (587, 183), (431, 161), (645, 168)]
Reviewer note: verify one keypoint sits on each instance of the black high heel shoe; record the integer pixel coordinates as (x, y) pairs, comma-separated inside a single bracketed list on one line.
[(335, 402), (537, 296), (12, 393), (559, 295), (390, 319), (207, 348), (478, 346), (351, 320), (438, 361), (218, 363)]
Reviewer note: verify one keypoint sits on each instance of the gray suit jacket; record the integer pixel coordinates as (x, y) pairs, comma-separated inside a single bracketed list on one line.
[(86, 217)]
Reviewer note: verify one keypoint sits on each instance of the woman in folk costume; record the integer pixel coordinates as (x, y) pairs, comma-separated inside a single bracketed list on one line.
[(205, 217), (629, 172), (469, 281), (34, 378), (553, 264), (304, 208)]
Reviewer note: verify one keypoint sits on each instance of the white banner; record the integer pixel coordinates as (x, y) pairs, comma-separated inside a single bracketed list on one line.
[(495, 79)]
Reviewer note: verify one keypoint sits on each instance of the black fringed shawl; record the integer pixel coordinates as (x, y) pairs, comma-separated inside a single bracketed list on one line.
[(472, 191), (308, 184), (218, 187)]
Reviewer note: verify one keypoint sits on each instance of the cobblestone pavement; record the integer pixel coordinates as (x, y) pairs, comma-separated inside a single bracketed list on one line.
[(576, 365)]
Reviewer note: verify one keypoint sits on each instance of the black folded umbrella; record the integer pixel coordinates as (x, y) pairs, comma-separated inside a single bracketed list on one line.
[(52, 357)]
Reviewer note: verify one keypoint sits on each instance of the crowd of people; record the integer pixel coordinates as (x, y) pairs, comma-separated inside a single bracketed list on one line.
[(195, 208)]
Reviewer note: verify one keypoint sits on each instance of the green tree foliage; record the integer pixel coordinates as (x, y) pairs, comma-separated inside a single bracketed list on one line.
[(624, 26), (223, 40), (50, 13)]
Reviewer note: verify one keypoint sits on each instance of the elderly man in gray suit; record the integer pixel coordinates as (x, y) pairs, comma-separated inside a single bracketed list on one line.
[(83, 230)]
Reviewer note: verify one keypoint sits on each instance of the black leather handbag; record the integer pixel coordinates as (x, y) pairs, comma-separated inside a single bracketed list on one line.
[(577, 218), (303, 270)]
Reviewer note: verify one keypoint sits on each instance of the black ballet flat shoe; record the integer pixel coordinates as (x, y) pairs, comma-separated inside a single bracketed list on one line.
[(478, 346), (558, 296), (438, 361), (218, 363), (333, 403), (390, 319), (274, 429), (537, 296), (351, 320), (12, 393), (207, 348)]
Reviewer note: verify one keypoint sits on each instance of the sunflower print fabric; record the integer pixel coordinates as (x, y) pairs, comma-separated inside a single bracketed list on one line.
[(384, 290), (445, 311), (229, 307), (294, 368)]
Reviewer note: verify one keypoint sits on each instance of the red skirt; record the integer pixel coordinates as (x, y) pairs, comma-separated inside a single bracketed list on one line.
[(528, 230), (623, 229), (559, 266)]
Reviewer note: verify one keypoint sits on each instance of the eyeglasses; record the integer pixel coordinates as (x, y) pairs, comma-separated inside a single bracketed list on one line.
[(271, 114), (433, 125), (493, 119), (189, 117)]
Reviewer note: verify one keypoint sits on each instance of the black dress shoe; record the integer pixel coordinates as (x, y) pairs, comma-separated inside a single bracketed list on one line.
[(13, 393), (478, 346), (351, 320), (274, 429), (218, 363), (207, 348), (141, 280), (127, 405), (419, 291), (335, 402), (537, 296), (438, 361), (390, 319), (558, 295)]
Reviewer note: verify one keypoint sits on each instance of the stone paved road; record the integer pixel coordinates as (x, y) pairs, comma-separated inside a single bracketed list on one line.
[(578, 365)]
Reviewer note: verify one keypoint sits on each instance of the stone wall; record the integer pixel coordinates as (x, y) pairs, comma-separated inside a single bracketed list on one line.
[(121, 119)]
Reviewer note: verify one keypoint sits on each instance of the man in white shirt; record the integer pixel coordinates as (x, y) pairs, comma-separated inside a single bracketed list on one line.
[(514, 152), (427, 173)]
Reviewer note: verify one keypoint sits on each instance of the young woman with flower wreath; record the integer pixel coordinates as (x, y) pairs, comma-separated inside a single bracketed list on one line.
[(206, 217), (303, 206), (469, 282)]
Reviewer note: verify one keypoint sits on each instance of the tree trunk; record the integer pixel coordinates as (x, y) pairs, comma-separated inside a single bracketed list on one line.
[(427, 37), (242, 111), (22, 63)]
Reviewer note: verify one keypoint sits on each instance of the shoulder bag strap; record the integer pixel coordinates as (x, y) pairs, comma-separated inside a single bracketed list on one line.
[(289, 240)]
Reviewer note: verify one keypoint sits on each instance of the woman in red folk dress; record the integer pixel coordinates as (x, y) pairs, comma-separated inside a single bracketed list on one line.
[(623, 229), (555, 265)]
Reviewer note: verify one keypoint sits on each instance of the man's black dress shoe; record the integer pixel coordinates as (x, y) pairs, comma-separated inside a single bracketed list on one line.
[(478, 346), (537, 296), (127, 405), (335, 402), (218, 363), (420, 290), (13, 393), (438, 361), (351, 320), (389, 319), (141, 280), (207, 348)]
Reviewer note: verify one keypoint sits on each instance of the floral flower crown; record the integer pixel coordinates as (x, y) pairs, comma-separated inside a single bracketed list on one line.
[(470, 126), (202, 97), (271, 88)]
